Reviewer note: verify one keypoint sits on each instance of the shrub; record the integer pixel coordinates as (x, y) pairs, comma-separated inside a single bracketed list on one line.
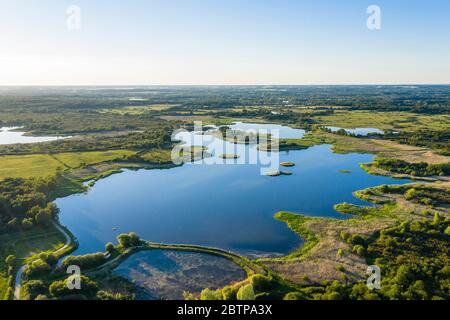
[(294, 296), (60, 289), (246, 292), (86, 261), (109, 247), (229, 293), (261, 283), (359, 249), (208, 294)]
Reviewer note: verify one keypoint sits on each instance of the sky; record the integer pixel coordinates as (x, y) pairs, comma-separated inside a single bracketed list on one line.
[(223, 42)]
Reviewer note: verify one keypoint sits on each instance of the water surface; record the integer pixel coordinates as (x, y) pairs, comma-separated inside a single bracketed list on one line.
[(357, 131), (9, 135), (226, 206)]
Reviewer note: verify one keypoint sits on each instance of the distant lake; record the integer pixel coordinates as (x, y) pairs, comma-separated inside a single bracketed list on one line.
[(226, 206), (357, 131), (9, 135)]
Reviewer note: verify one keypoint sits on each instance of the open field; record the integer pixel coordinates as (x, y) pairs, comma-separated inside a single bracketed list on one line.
[(382, 148), (42, 165), (385, 120), (138, 110), (28, 166)]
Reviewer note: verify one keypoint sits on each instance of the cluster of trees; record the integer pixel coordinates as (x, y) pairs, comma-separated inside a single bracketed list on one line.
[(86, 261), (437, 140), (414, 258), (421, 169), (25, 203), (127, 240), (41, 266), (428, 196), (41, 290)]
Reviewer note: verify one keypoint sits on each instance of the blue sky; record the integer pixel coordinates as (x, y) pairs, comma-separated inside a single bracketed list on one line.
[(224, 42)]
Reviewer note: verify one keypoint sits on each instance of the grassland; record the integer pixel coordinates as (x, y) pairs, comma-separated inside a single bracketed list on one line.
[(385, 120), (42, 165), (138, 110), (382, 148), (28, 166)]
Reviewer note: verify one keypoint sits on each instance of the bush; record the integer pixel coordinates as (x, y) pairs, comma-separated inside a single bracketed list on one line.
[(60, 289), (109, 247), (127, 240), (359, 249), (86, 261), (32, 289), (37, 268), (229, 293), (208, 294), (50, 259), (294, 296), (246, 292), (262, 283)]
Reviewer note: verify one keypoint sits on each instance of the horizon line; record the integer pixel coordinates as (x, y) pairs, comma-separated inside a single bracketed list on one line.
[(224, 85)]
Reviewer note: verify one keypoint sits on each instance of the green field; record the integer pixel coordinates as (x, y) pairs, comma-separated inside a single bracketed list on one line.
[(385, 120), (138, 110), (42, 165), (77, 159)]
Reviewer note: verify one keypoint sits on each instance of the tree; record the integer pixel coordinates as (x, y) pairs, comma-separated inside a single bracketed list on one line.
[(60, 288), (10, 260), (109, 247), (294, 296), (447, 231), (246, 292), (208, 294), (127, 240)]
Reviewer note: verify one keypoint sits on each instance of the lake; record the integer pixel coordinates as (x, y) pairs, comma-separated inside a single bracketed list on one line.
[(217, 203), (9, 135)]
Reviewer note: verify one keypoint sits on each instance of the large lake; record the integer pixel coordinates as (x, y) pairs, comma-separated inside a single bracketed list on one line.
[(229, 206)]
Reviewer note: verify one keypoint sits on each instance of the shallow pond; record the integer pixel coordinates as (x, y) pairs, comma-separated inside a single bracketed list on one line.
[(9, 135), (357, 131), (166, 274), (229, 206)]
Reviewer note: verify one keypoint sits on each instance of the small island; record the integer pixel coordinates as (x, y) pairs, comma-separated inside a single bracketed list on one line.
[(287, 164), (278, 173), (345, 171), (229, 156)]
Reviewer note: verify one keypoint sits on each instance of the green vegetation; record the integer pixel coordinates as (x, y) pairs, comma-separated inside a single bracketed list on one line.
[(407, 235), (297, 223), (42, 165), (421, 169)]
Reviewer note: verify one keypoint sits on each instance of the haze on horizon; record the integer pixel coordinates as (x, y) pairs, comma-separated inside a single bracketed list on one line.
[(218, 42)]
